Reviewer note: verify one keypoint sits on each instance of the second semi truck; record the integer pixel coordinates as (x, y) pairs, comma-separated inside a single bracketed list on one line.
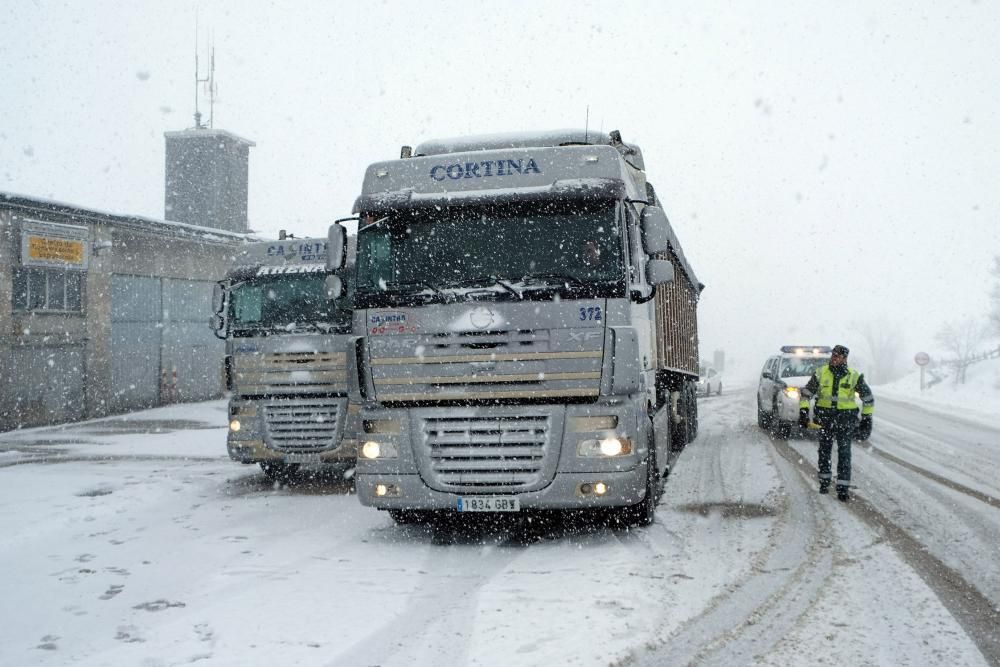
[(286, 358)]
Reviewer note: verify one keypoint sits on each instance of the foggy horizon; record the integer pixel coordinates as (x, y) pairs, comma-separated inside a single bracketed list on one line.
[(822, 166)]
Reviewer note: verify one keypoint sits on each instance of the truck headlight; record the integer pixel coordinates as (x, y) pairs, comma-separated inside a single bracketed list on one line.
[(609, 446), (374, 449), (234, 425)]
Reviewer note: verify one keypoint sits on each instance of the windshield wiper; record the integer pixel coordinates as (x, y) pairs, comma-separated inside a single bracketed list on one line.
[(486, 281), (412, 284), (554, 275)]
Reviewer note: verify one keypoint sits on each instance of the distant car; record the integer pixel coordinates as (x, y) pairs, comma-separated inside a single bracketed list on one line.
[(781, 381), (710, 380)]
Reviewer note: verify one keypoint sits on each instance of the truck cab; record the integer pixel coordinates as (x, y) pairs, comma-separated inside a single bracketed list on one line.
[(526, 329), (287, 327)]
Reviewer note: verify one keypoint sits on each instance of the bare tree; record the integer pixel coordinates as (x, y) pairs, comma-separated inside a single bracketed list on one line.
[(884, 342), (963, 340)]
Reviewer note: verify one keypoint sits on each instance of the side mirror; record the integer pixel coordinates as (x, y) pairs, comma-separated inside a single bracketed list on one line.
[(334, 287), (336, 247), (767, 375), (216, 323), (659, 271), (218, 297), (655, 230)]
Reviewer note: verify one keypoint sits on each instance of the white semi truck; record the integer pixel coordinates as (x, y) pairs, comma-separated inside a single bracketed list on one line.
[(526, 331), (287, 331)]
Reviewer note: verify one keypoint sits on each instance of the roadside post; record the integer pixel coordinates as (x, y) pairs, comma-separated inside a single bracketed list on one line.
[(921, 359)]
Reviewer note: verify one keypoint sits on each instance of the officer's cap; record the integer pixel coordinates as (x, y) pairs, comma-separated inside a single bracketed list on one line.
[(840, 350)]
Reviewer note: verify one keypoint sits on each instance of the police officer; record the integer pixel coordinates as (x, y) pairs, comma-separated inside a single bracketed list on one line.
[(836, 411)]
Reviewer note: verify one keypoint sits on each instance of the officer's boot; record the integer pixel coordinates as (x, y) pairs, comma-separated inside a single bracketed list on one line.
[(824, 486), (843, 493)]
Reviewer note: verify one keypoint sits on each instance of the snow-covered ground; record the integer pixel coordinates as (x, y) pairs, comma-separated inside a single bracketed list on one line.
[(134, 540), (978, 399)]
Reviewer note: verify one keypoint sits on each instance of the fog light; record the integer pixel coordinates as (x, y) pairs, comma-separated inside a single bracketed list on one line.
[(585, 489), (371, 450), (611, 446), (234, 425), (600, 488), (387, 491)]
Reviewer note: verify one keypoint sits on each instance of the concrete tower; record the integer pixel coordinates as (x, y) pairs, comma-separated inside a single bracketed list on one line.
[(206, 178)]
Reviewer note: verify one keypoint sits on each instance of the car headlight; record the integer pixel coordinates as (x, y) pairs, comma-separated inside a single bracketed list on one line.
[(606, 447), (792, 392)]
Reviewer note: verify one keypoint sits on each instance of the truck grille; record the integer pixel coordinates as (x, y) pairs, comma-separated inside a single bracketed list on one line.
[(489, 365), (487, 454), (302, 426), (290, 373)]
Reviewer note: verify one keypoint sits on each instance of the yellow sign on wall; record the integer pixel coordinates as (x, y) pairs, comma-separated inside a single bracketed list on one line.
[(54, 245), (55, 250)]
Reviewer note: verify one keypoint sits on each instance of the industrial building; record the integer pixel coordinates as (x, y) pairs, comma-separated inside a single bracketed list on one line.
[(103, 313)]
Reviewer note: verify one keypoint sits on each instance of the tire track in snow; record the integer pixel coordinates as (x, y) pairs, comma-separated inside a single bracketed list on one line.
[(951, 484), (784, 580), (438, 616), (973, 610)]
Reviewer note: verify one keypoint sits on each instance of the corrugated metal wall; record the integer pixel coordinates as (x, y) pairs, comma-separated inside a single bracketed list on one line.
[(162, 350), (136, 331), (189, 346)]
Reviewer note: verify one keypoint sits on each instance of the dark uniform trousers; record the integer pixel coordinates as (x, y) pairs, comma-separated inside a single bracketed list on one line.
[(837, 425)]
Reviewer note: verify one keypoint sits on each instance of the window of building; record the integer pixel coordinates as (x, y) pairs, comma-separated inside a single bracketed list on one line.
[(48, 289)]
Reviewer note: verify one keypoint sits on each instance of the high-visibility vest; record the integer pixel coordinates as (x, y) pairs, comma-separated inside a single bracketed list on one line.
[(844, 399)]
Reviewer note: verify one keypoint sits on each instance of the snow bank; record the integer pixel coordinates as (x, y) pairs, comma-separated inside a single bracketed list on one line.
[(977, 400)]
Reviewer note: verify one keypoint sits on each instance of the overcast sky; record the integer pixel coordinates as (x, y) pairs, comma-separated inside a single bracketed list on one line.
[(823, 163)]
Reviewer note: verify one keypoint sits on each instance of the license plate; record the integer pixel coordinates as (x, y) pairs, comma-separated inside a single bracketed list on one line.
[(489, 504), (302, 458)]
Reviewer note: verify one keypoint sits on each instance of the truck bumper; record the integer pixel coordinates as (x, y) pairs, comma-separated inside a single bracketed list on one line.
[(410, 492), (252, 444)]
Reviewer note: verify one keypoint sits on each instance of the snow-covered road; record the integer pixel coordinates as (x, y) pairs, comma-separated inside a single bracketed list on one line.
[(135, 541)]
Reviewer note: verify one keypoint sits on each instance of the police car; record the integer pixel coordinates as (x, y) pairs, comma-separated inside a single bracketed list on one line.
[(781, 381)]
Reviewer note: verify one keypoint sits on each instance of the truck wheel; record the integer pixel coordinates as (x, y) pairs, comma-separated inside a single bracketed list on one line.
[(643, 513), (277, 471), (693, 418), (679, 435)]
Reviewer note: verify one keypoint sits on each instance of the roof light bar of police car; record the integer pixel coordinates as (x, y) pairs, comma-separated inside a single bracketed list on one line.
[(802, 349)]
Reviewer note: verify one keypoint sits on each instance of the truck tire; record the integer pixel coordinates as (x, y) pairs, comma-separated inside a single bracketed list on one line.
[(643, 513), (693, 417), (679, 435), (277, 471)]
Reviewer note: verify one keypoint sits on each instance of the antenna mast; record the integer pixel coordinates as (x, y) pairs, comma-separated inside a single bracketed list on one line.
[(197, 79), (211, 88)]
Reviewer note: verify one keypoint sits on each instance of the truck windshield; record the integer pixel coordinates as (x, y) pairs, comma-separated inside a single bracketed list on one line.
[(526, 252), (289, 302), (801, 367)]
